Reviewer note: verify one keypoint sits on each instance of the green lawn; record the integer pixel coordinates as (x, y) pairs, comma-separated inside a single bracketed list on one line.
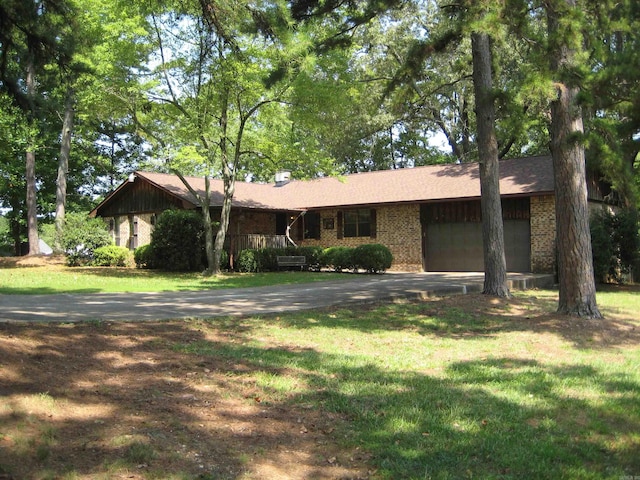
[(463, 388), (60, 279)]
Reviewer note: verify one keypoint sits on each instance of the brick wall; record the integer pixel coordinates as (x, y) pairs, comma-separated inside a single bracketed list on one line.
[(543, 234), (120, 229), (397, 227)]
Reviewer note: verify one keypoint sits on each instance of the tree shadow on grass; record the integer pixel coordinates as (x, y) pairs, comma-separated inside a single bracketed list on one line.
[(474, 316), (497, 418), (120, 400), (208, 400)]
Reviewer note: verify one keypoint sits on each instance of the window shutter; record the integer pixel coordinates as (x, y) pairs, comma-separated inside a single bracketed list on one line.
[(373, 223), (340, 231)]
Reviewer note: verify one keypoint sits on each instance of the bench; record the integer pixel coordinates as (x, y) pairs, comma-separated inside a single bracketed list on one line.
[(291, 261)]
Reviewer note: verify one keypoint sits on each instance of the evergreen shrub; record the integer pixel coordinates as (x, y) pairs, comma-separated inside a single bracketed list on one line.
[(338, 258), (178, 241), (81, 236), (615, 243), (372, 257), (247, 261), (143, 256), (111, 256)]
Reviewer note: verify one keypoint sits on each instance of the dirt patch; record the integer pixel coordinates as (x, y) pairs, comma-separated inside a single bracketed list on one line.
[(32, 261), (120, 399)]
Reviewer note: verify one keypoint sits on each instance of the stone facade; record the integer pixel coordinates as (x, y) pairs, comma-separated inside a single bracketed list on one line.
[(397, 227), (543, 234), (131, 231)]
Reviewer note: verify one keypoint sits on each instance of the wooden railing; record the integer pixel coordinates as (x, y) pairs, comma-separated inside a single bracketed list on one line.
[(237, 243)]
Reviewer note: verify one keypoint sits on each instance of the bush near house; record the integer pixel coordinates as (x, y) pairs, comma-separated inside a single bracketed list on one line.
[(338, 258), (177, 242), (248, 261), (112, 256), (373, 257), (615, 244), (266, 259), (143, 256), (82, 236)]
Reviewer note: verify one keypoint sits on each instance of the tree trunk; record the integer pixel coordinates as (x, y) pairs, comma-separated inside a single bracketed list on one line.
[(208, 228), (225, 215), (575, 263), (495, 266), (32, 202), (63, 167), (228, 176)]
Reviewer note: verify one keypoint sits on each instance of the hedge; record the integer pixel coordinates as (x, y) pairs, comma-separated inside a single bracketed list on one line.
[(111, 256), (372, 258)]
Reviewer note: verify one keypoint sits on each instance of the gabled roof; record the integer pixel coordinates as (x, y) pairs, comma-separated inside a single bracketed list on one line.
[(518, 177)]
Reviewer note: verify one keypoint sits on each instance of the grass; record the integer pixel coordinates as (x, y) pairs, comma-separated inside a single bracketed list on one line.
[(459, 388), (60, 279), (450, 394)]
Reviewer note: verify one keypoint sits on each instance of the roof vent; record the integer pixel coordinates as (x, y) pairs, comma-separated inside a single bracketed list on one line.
[(282, 178)]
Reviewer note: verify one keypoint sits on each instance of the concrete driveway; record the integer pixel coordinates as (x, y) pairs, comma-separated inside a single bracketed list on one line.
[(248, 301)]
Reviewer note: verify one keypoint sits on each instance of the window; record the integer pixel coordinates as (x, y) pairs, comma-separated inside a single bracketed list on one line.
[(358, 223), (312, 226)]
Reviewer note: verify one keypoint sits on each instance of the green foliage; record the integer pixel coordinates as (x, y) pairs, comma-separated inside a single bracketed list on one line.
[(6, 247), (627, 238), (313, 255), (602, 246), (112, 256), (143, 256), (82, 236), (247, 261), (178, 241), (338, 258), (373, 257), (615, 244), (266, 259)]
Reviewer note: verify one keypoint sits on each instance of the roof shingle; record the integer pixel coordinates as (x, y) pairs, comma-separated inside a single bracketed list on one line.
[(523, 176)]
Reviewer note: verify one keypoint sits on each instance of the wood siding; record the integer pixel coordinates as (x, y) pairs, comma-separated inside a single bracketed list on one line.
[(139, 197)]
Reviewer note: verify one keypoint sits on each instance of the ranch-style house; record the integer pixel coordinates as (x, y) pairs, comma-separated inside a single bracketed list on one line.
[(429, 217)]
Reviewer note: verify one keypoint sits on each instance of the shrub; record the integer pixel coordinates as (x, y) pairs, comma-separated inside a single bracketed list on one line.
[(338, 258), (267, 258), (143, 256), (111, 256), (626, 238), (312, 254), (224, 260), (81, 236), (615, 243), (247, 261), (373, 257), (178, 241), (604, 260)]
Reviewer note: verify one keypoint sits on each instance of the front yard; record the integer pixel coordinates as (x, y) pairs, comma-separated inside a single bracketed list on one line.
[(460, 387)]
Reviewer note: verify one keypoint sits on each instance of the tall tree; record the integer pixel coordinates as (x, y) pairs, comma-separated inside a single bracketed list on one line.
[(63, 166), (214, 64), (495, 265), (30, 34), (575, 265)]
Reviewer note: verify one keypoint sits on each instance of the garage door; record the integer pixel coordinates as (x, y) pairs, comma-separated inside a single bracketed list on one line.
[(457, 246)]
